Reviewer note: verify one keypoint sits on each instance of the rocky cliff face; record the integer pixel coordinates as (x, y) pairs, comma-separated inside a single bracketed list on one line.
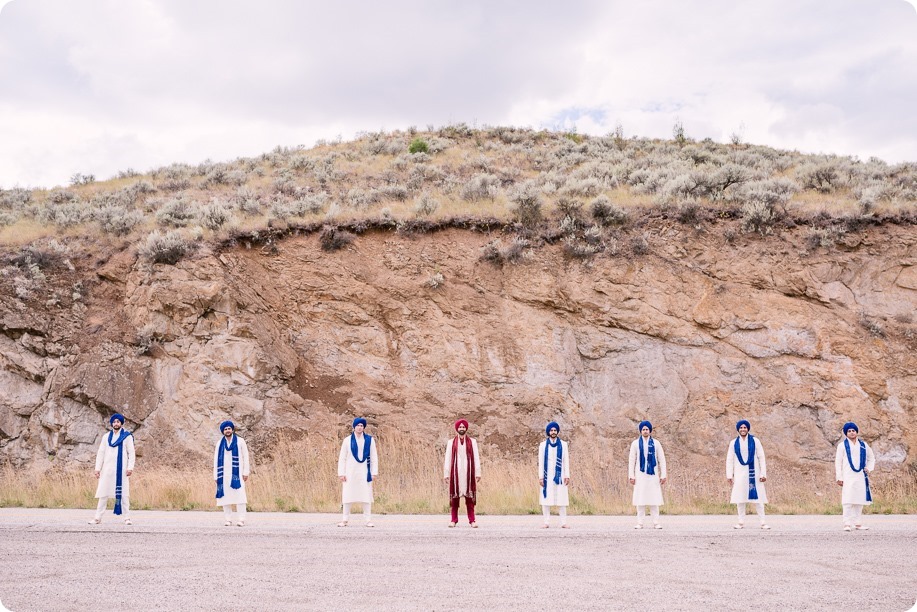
[(693, 335)]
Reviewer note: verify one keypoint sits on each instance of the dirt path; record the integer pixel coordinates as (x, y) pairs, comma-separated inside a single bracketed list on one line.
[(53, 560)]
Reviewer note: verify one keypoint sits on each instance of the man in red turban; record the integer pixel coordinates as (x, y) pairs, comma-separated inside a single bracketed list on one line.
[(462, 471)]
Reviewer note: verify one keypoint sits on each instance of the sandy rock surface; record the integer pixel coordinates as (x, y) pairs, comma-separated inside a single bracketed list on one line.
[(693, 336), (53, 560)]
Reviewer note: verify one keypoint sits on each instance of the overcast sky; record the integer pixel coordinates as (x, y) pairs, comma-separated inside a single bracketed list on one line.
[(97, 86)]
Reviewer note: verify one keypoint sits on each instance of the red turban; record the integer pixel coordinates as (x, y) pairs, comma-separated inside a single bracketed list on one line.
[(461, 422)]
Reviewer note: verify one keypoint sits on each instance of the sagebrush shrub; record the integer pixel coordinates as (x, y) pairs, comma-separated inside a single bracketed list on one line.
[(82, 179), (758, 216), (362, 199), (147, 338), (436, 280), (771, 192), (574, 248), (425, 174), (526, 199), (396, 191), (871, 324), (15, 199), (606, 213), (117, 220), (65, 215), (639, 245), (62, 196), (177, 212), (247, 201), (730, 176), (481, 187), (491, 253), (823, 177), (37, 257), (688, 212), (215, 215), (333, 239), (570, 207), (824, 237), (287, 185), (426, 205), (586, 187), (517, 250), (168, 248)]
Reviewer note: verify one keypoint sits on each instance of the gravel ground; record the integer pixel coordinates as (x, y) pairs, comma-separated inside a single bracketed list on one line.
[(53, 560)]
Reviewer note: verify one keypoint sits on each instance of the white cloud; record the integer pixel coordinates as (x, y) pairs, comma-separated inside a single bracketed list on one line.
[(100, 85)]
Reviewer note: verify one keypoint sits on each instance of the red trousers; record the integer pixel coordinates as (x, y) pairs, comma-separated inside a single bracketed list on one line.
[(469, 506)]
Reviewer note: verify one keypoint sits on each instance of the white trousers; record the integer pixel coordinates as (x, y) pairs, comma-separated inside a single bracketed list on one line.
[(741, 509), (853, 514), (125, 507), (367, 512), (641, 512), (240, 510), (561, 510)]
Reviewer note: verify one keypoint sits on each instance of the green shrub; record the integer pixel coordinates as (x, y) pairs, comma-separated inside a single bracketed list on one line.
[(419, 145)]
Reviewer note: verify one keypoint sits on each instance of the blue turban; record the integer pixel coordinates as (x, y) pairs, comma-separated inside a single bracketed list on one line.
[(554, 424), (851, 425), (645, 423), (358, 421), (226, 424), (745, 423), (116, 417)]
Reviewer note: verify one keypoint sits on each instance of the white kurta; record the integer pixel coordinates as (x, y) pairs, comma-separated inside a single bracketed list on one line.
[(356, 489), (107, 466), (739, 472), (647, 490), (462, 460), (557, 494), (854, 489), (232, 496)]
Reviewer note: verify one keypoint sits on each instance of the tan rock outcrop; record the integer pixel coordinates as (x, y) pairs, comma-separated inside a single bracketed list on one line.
[(693, 336)]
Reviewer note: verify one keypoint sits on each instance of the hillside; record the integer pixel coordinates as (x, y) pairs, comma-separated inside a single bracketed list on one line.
[(506, 276)]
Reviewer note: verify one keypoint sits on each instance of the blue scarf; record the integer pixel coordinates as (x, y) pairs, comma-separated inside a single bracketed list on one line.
[(750, 462), (236, 482), (648, 463), (353, 451), (557, 465), (862, 464), (118, 477)]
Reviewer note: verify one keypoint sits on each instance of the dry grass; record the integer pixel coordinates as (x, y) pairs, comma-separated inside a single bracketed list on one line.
[(513, 156), (25, 231), (303, 478)]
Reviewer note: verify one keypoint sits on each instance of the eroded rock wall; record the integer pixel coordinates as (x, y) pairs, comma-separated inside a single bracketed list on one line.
[(693, 336)]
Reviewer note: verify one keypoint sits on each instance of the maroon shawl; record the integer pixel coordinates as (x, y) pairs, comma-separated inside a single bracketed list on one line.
[(453, 476)]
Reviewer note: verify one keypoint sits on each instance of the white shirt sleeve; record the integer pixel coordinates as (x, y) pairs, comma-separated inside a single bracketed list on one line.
[(447, 465), (131, 455), (100, 455), (760, 462), (342, 457), (839, 459), (243, 458), (566, 461), (870, 458), (374, 457), (477, 458)]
